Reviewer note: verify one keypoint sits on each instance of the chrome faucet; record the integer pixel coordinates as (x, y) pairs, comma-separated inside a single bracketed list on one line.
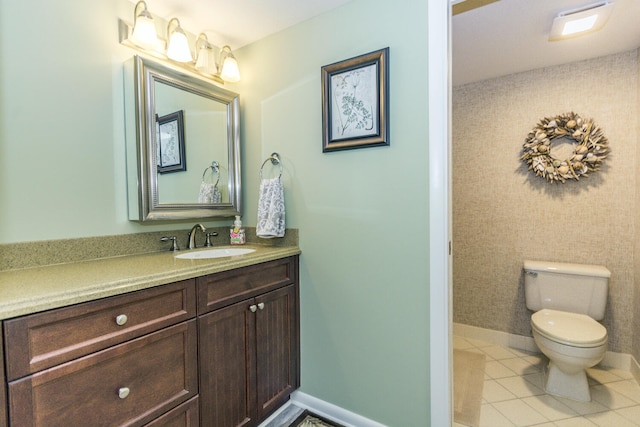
[(192, 234)]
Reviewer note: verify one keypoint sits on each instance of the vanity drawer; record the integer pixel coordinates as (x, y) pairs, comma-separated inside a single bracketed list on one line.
[(129, 384), (185, 415), (43, 340), (228, 287)]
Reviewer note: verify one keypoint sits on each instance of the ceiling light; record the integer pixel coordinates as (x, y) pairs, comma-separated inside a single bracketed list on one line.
[(178, 44), (577, 22), (144, 30)]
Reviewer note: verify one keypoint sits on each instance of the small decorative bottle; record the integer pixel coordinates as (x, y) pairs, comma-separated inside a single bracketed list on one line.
[(237, 232)]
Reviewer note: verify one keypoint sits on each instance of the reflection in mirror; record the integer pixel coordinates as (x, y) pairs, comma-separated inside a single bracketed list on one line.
[(183, 126)]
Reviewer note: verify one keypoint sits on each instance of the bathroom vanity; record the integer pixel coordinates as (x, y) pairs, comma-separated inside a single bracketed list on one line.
[(173, 343)]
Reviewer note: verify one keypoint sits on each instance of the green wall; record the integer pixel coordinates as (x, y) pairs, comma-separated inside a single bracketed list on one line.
[(362, 214), (62, 157)]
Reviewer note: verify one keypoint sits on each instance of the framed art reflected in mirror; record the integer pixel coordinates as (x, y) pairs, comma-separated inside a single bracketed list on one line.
[(170, 142)]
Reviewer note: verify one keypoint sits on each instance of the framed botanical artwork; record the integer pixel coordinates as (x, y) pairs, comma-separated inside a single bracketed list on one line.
[(170, 142), (355, 102)]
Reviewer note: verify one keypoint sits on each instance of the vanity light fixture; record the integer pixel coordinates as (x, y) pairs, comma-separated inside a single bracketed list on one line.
[(580, 21), (178, 44), (229, 71), (144, 30), (203, 54), (142, 36)]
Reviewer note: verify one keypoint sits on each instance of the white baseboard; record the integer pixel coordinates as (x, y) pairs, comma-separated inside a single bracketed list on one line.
[(331, 411), (611, 359), (497, 337), (635, 369)]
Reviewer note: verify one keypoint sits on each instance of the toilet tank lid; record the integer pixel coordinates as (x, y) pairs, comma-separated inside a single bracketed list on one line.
[(567, 268)]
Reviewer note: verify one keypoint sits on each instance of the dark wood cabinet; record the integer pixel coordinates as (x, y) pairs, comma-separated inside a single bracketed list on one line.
[(43, 340), (244, 381), (220, 350), (128, 384), (3, 391), (185, 415)]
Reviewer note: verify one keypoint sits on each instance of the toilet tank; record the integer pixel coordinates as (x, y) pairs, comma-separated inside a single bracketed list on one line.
[(575, 288)]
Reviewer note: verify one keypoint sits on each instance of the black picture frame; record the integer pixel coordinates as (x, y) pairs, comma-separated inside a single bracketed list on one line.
[(170, 142), (355, 102)]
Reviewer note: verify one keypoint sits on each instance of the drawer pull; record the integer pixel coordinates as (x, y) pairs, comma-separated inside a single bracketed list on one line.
[(261, 305), (253, 308), (121, 319), (123, 392)]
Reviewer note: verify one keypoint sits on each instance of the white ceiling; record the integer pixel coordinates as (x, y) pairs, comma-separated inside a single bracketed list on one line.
[(501, 38), (511, 36), (239, 22)]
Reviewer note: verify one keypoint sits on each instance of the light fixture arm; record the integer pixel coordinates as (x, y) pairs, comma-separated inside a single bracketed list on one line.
[(202, 42), (173, 25), (137, 12)]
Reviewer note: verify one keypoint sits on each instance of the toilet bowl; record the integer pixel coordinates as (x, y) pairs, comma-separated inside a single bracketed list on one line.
[(573, 342), (568, 300)]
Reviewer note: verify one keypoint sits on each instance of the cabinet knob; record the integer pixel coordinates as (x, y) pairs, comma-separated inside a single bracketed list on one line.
[(121, 319), (261, 305), (123, 392), (253, 308)]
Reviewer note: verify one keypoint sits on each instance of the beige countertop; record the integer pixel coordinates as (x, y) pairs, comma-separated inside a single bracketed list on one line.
[(31, 290)]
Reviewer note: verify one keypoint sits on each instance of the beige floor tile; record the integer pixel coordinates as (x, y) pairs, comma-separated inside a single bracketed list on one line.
[(631, 413), (520, 366), (520, 387), (519, 413), (494, 392), (628, 388), (514, 395), (491, 417), (574, 422), (609, 397), (610, 419), (583, 408), (627, 375), (495, 370), (601, 376), (461, 343), (549, 407), (497, 352), (479, 343), (538, 379)]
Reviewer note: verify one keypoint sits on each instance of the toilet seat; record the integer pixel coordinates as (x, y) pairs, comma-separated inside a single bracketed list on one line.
[(573, 329)]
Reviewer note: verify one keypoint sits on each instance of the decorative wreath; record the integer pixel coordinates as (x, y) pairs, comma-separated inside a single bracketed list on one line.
[(592, 147)]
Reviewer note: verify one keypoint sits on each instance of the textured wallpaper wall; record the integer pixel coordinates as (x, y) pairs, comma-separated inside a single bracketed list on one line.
[(636, 323), (503, 214)]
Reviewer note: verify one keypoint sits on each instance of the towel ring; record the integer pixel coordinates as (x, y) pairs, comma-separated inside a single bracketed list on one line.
[(275, 160), (215, 167)]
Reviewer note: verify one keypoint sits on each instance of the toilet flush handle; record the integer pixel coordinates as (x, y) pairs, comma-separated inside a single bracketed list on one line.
[(531, 273)]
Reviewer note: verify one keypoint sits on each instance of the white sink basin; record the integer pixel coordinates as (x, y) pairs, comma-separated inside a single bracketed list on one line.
[(215, 253)]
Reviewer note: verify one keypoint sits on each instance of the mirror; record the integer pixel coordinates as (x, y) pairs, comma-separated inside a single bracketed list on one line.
[(183, 144)]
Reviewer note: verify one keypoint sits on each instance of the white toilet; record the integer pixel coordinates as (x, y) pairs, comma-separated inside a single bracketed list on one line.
[(568, 299)]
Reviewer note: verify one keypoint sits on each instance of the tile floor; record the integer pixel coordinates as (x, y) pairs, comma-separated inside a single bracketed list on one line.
[(513, 393)]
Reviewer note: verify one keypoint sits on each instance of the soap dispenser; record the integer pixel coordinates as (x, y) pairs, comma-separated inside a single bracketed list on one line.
[(237, 232)]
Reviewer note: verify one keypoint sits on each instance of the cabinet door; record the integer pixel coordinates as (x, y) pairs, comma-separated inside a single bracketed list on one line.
[(227, 366), (3, 393), (277, 348)]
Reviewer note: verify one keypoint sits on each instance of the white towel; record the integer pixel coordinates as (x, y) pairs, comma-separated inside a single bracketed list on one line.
[(271, 209), (209, 193)]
